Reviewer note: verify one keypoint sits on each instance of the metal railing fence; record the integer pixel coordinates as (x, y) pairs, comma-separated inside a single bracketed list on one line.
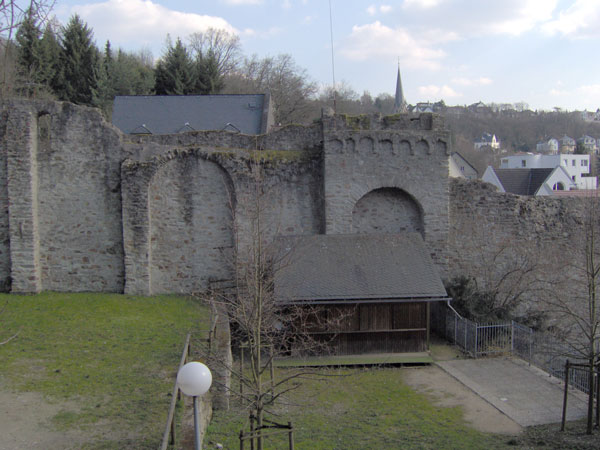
[(509, 338)]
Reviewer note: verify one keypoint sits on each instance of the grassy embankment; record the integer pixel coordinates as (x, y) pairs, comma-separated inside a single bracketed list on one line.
[(360, 409), (111, 358)]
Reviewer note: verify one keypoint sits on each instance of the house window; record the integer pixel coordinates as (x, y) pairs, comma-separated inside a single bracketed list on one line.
[(566, 162), (573, 163), (558, 187), (523, 163), (584, 162), (573, 177)]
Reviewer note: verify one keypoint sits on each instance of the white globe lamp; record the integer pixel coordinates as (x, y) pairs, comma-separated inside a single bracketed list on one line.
[(194, 379)]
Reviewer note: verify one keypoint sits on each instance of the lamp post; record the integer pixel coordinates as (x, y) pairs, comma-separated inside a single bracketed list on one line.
[(194, 379)]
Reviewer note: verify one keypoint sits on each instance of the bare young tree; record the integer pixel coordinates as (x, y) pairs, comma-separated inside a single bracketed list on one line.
[(12, 14), (261, 322), (573, 300), (224, 46), (289, 86)]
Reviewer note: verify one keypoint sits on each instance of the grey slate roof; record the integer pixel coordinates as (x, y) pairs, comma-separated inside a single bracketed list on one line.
[(358, 266), (168, 114), (522, 181)]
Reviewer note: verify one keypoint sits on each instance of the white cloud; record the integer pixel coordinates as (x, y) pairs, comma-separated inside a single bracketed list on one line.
[(138, 23), (559, 92), (262, 34), (469, 18), (481, 81), (424, 4), (242, 2), (433, 91), (376, 41), (590, 89), (523, 16), (287, 4), (383, 9), (579, 20)]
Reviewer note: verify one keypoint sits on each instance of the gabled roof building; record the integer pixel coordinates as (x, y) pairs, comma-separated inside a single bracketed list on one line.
[(381, 284), (169, 114), (529, 181)]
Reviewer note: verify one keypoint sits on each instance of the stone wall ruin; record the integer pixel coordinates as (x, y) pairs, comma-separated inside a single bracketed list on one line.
[(85, 208)]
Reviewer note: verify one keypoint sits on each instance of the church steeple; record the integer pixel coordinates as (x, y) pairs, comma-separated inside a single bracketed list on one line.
[(400, 105)]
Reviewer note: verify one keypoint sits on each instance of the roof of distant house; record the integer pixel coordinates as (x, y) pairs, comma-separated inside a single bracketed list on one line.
[(456, 154), (169, 114), (356, 267), (522, 181)]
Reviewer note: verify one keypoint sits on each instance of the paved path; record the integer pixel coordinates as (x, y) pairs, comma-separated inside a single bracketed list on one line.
[(524, 393)]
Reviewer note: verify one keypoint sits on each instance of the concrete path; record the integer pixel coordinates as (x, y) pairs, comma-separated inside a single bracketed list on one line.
[(524, 393)]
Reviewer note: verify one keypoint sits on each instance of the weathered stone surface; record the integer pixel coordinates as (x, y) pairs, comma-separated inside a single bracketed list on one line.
[(83, 207)]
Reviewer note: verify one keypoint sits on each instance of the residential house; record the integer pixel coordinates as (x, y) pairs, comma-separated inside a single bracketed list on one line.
[(566, 144), (487, 140), (550, 146), (373, 291), (588, 144), (529, 181), (423, 107), (577, 166), (461, 168), (167, 114)]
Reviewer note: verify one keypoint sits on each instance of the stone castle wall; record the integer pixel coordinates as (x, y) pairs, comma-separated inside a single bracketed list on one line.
[(86, 208)]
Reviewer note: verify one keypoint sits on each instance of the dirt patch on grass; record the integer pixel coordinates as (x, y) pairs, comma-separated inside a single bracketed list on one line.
[(447, 392), (26, 423)]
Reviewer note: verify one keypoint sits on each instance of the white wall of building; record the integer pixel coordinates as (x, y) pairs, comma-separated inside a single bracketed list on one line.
[(576, 166)]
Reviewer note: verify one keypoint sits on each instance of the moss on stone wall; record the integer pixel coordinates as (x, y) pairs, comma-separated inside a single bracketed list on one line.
[(361, 122)]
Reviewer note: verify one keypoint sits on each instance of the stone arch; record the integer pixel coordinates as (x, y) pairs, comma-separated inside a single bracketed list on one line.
[(387, 210), (350, 145), (336, 146), (366, 145), (404, 148), (190, 209), (386, 147), (441, 147), (422, 147)]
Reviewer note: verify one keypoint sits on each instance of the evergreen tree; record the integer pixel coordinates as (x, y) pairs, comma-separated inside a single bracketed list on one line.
[(79, 61), (132, 76), (104, 92), (175, 74), (209, 79), (28, 46), (49, 72)]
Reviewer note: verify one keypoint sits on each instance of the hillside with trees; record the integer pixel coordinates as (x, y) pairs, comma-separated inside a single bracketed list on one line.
[(43, 59)]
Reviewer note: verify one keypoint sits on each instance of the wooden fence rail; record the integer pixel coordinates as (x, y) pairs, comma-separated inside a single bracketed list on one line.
[(169, 434)]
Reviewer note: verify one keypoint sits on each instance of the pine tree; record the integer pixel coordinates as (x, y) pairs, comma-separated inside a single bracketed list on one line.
[(175, 72), (28, 46), (209, 79), (104, 92), (50, 70), (79, 61)]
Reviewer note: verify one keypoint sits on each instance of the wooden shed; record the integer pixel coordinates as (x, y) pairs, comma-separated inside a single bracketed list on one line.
[(365, 293)]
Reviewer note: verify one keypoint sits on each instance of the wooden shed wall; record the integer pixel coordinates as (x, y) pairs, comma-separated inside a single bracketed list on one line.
[(371, 327)]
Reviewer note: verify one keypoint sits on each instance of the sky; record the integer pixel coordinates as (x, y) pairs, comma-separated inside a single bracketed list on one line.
[(542, 52)]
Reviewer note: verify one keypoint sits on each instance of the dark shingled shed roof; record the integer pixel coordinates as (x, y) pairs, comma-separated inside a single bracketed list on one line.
[(169, 114), (354, 267), (522, 181)]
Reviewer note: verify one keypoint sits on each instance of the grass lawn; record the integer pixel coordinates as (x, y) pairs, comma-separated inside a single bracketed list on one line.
[(114, 356), (361, 409)]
